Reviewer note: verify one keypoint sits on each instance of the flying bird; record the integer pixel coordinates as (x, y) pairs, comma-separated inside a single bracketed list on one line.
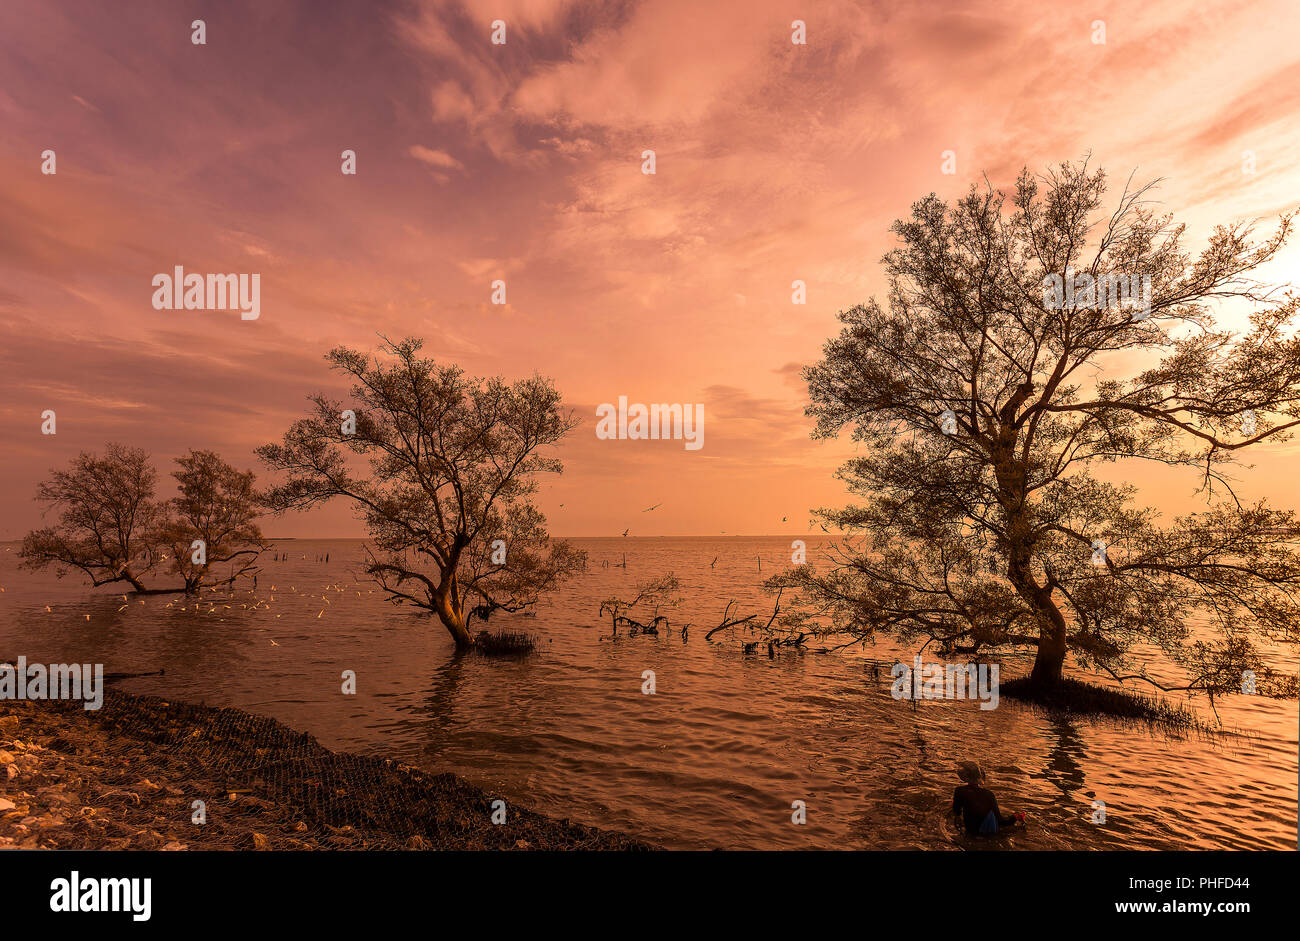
[(655, 507), (626, 531)]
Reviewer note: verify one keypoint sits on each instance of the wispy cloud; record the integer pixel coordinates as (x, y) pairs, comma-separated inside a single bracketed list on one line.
[(774, 163)]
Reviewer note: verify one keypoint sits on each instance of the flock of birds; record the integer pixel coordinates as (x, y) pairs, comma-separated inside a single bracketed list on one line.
[(280, 557), (215, 605), (658, 505)]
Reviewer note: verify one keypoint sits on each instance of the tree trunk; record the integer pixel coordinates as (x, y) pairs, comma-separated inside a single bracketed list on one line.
[(1050, 659), (1051, 622), (1011, 475), (454, 621)]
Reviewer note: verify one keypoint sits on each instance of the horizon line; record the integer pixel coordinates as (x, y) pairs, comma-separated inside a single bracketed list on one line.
[(554, 536)]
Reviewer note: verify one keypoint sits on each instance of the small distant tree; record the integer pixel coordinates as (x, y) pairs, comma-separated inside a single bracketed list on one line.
[(453, 463), (213, 522), (986, 398), (112, 527), (107, 518)]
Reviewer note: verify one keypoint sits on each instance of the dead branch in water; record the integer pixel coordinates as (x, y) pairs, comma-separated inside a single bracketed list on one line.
[(659, 592), (651, 628), (729, 621)]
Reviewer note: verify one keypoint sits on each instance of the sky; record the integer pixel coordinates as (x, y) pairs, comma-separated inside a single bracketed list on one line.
[(522, 162)]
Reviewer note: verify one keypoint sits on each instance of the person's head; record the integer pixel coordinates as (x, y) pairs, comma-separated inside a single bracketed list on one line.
[(970, 772)]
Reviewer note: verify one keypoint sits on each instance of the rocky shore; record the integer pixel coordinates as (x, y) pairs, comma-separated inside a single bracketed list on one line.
[(127, 776)]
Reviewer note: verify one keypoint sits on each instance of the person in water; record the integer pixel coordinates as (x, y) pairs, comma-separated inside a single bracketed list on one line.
[(976, 805)]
